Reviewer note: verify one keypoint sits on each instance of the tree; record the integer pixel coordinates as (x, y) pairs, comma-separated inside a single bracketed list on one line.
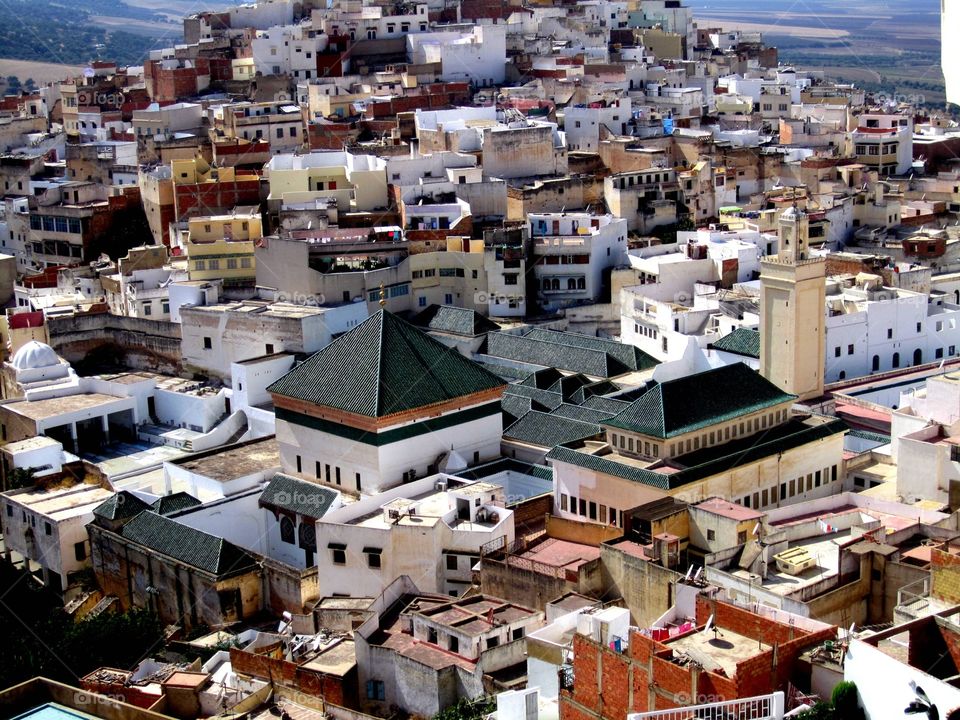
[(845, 702)]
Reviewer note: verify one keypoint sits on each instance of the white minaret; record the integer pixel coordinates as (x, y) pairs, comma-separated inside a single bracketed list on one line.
[(792, 299)]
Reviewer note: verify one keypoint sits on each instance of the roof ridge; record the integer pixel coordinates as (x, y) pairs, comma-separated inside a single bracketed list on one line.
[(376, 386)]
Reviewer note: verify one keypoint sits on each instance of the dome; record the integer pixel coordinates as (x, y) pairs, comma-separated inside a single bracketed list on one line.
[(35, 355)]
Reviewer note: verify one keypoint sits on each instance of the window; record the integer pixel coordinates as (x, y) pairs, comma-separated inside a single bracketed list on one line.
[(492, 642), (454, 644), (711, 535), (299, 464), (337, 474), (742, 537), (317, 469), (269, 348), (80, 551), (357, 478), (373, 557), (207, 343), (375, 690), (593, 510), (47, 529), (286, 530), (338, 554), (563, 503), (452, 562), (849, 349), (836, 351), (148, 308), (9, 510), (327, 472), (889, 333), (517, 633)]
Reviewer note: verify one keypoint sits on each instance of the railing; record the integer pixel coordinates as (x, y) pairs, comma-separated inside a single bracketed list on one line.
[(763, 707), (914, 599)]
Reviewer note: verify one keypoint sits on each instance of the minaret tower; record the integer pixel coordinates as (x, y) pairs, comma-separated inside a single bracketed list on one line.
[(792, 309)]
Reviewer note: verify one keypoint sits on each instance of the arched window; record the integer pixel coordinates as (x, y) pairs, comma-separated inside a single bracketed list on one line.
[(876, 363), (918, 357), (581, 283), (556, 283), (896, 360), (843, 375), (571, 284), (286, 529), (546, 283), (308, 535)]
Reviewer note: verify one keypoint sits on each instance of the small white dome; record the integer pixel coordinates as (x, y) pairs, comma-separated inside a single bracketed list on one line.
[(35, 355)]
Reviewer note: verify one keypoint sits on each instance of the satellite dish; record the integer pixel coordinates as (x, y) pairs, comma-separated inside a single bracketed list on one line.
[(756, 529), (689, 573), (697, 576)]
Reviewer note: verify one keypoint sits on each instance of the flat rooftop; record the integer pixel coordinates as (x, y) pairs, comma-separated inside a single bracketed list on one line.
[(60, 503), (52, 407), (235, 462), (561, 553), (336, 659), (825, 549), (722, 650), (275, 309)]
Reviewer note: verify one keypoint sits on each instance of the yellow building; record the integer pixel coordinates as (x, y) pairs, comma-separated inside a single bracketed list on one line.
[(223, 246)]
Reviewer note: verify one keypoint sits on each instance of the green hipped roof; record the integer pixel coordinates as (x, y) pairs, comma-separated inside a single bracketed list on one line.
[(678, 406), (122, 505), (187, 545), (742, 341), (455, 320), (169, 504), (384, 366), (298, 496), (546, 430)]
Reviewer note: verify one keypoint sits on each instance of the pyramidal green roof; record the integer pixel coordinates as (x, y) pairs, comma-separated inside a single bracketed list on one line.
[(742, 341), (688, 403), (384, 366)]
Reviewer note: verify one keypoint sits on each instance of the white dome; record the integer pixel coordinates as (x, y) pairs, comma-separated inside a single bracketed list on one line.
[(35, 355)]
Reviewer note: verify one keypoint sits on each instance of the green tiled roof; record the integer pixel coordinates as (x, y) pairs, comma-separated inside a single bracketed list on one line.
[(611, 405), (551, 355), (544, 398), (609, 467), (601, 387), (514, 407), (298, 496), (582, 413), (122, 505), (629, 355), (542, 379), (384, 366), (545, 430), (509, 374), (455, 320), (169, 504), (718, 460), (569, 384), (187, 545), (504, 464), (742, 341), (696, 401)]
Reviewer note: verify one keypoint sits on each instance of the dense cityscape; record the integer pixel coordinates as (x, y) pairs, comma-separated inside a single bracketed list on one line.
[(476, 360)]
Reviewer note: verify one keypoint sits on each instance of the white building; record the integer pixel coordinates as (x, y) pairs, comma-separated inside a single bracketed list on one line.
[(384, 404), (430, 530), (871, 328), (48, 527), (571, 251), (475, 54), (582, 123)]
